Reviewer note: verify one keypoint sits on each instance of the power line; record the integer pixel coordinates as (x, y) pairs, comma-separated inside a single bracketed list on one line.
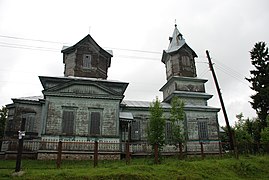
[(20, 82), (229, 71), (231, 75), (204, 72), (29, 39), (138, 57), (134, 50), (228, 68), (56, 42), (26, 46), (6, 46)]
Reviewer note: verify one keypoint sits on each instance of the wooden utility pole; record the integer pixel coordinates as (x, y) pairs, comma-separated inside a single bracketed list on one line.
[(59, 154), (127, 156), (221, 101), (95, 155), (20, 147)]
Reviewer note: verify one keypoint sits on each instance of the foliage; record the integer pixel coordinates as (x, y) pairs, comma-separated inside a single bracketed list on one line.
[(260, 80), (247, 134), (251, 167), (265, 133), (177, 118), (247, 130), (242, 129), (156, 124), (3, 119)]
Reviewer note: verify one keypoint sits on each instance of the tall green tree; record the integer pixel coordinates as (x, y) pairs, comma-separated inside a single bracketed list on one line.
[(3, 119), (177, 118), (265, 133), (156, 124), (260, 81)]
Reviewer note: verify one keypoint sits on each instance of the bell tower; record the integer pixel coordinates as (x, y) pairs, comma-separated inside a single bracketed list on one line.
[(182, 81), (200, 120), (179, 57)]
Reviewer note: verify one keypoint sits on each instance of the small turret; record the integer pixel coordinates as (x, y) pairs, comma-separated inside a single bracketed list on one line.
[(86, 59), (179, 57)]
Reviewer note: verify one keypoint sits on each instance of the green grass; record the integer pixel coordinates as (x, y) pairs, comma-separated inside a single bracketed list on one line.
[(247, 167)]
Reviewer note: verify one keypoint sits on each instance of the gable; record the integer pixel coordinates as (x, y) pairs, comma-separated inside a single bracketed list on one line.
[(81, 89), (89, 42)]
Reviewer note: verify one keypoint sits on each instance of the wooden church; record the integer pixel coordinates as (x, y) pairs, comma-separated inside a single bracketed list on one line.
[(83, 106)]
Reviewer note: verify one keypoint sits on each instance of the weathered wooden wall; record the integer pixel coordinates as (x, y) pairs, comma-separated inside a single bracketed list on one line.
[(82, 106)]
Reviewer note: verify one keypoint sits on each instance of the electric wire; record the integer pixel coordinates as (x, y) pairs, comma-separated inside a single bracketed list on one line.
[(29, 39), (228, 68), (231, 75), (28, 47), (221, 66), (57, 42), (204, 72)]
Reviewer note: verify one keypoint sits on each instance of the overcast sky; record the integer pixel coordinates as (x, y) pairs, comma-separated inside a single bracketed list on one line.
[(32, 33)]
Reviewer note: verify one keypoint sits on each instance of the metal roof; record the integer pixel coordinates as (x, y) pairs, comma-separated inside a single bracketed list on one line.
[(177, 41), (143, 104), (201, 108), (126, 115), (110, 52), (29, 98), (84, 78), (62, 79)]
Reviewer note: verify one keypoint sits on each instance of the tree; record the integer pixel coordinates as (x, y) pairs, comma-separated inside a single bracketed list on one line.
[(156, 124), (247, 133), (3, 118), (242, 134), (260, 81), (177, 118), (265, 133)]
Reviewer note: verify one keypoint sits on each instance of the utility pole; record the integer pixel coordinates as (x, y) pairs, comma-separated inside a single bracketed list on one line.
[(231, 139), (20, 147)]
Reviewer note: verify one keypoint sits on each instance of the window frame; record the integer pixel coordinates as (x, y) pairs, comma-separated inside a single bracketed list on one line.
[(186, 61), (91, 111), (202, 126), (168, 131), (87, 62), (64, 130), (136, 130), (30, 122)]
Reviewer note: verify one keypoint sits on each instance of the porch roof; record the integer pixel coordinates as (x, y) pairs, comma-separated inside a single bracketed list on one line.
[(126, 116)]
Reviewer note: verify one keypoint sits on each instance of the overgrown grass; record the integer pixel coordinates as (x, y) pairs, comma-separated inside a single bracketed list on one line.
[(247, 167)]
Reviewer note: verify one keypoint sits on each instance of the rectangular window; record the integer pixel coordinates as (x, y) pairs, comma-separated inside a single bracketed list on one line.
[(168, 131), (95, 123), (68, 122), (186, 61), (30, 122), (87, 58), (10, 124), (202, 130), (135, 130)]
